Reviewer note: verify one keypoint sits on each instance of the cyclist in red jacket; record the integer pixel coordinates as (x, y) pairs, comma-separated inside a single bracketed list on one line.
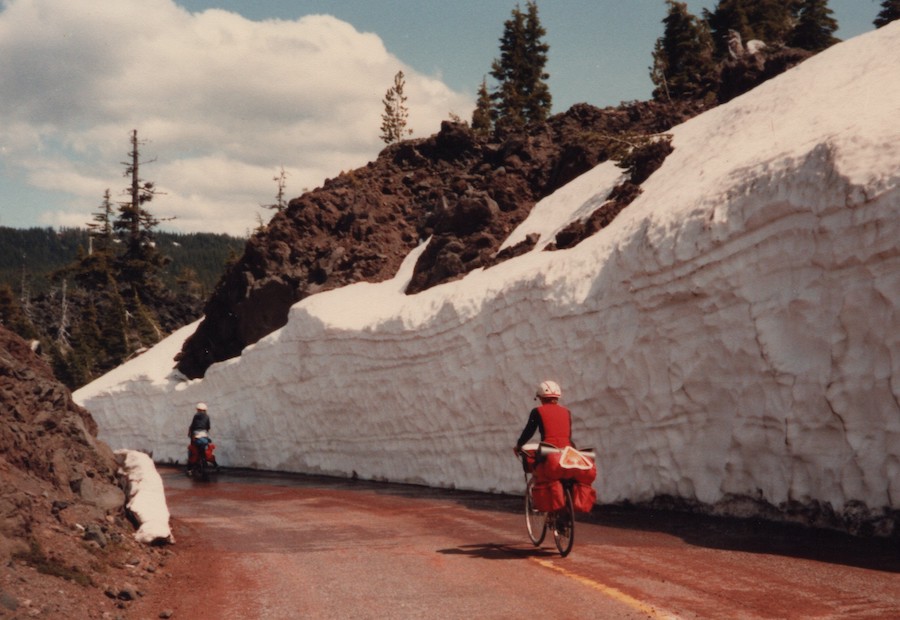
[(552, 419), (198, 431)]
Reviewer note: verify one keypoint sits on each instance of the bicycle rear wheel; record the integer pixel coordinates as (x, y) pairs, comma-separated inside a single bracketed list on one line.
[(535, 520), (564, 525), (202, 467)]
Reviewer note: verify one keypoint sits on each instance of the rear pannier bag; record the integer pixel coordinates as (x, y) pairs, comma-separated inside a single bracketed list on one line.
[(547, 496), (585, 476), (568, 464), (583, 497)]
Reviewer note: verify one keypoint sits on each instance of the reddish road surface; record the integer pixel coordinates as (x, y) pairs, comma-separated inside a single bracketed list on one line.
[(279, 547)]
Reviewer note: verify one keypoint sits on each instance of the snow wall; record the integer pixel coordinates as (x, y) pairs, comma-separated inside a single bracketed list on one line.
[(731, 340)]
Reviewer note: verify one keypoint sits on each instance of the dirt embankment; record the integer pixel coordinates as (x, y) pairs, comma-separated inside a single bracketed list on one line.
[(66, 545)]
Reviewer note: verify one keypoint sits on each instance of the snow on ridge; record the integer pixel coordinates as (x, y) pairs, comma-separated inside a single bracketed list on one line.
[(733, 333), (567, 204)]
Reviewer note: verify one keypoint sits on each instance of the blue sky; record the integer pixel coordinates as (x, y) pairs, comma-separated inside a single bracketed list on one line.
[(600, 50), (226, 92)]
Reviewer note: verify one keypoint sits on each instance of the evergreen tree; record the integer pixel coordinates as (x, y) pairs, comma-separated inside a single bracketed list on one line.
[(483, 116), (111, 317), (770, 21), (91, 269), (145, 326), (683, 65), (394, 119), (890, 11), (509, 102), (523, 96), (139, 265), (189, 283), (12, 315), (815, 27), (87, 347), (62, 331), (280, 203), (538, 101), (101, 232)]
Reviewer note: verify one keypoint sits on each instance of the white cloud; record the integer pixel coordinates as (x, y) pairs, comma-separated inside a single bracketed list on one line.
[(222, 101)]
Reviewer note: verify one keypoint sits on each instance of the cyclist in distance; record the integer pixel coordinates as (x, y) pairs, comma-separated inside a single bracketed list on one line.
[(200, 422), (198, 432), (552, 419)]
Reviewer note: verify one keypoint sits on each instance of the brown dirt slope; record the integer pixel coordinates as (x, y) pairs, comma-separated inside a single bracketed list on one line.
[(66, 545)]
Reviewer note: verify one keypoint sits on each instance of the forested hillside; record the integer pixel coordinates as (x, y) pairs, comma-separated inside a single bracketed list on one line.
[(89, 299), (37, 253)]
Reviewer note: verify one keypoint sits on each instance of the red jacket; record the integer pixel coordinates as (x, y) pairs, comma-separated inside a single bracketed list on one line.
[(556, 425), (554, 422)]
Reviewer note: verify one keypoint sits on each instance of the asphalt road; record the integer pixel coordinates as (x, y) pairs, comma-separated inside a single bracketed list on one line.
[(253, 545)]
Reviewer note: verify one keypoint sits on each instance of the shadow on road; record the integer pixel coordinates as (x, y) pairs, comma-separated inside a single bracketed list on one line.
[(757, 536), (747, 535), (494, 551)]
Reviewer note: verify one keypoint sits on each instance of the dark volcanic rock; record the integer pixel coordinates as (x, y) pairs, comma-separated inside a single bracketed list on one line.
[(43, 431), (641, 162), (741, 75), (463, 192)]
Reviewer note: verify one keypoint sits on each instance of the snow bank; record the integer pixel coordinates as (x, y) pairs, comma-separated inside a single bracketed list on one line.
[(733, 333), (146, 497)]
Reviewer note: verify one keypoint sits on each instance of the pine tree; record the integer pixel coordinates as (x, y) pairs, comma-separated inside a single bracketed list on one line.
[(509, 102), (280, 203), (394, 119), (890, 11), (100, 230), (62, 332), (523, 96), (538, 101), (683, 65), (144, 324), (91, 269), (483, 116), (12, 316), (139, 265), (770, 21), (189, 283), (815, 27), (87, 347), (112, 317)]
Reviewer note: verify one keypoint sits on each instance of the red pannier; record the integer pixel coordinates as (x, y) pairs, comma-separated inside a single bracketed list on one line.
[(567, 464), (583, 497), (194, 452), (547, 495), (583, 476), (528, 461)]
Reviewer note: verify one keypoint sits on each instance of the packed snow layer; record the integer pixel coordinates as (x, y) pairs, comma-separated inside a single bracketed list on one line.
[(733, 332), (146, 497)]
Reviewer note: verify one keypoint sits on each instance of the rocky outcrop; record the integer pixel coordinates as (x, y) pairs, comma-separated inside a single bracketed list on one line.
[(464, 192), (63, 529), (745, 72), (45, 434)]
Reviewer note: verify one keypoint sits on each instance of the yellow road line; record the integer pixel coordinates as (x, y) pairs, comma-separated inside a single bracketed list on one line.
[(609, 591)]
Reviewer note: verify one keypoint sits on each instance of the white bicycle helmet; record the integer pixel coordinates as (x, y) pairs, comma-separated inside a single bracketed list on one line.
[(201, 406), (548, 389)]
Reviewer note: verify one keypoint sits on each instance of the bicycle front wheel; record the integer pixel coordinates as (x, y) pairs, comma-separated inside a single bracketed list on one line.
[(564, 526), (535, 520)]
